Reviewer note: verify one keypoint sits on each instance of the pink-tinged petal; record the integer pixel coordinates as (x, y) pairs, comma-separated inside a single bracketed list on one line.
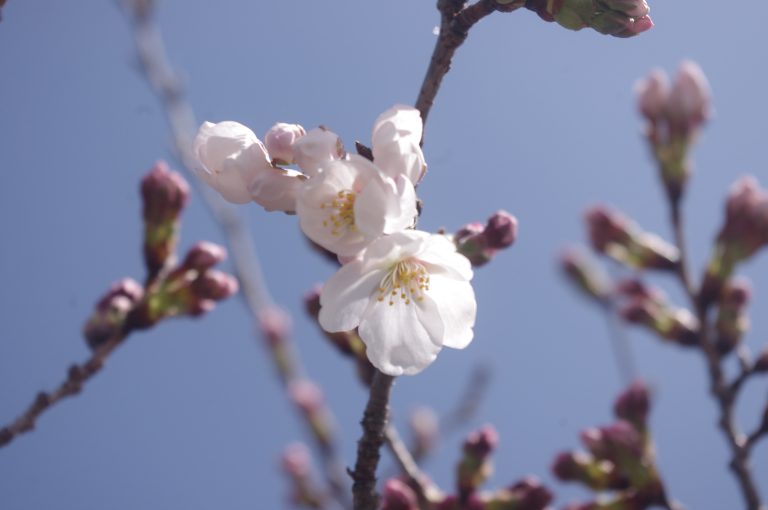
[(279, 141), (386, 251), (400, 121), (397, 341), (401, 156), (316, 149), (455, 300), (401, 216), (442, 258), (230, 184), (277, 189), (346, 295)]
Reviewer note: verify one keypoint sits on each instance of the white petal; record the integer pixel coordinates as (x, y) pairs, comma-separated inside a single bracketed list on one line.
[(457, 307), (401, 156), (230, 184), (397, 341), (346, 295), (315, 149), (388, 250), (441, 256), (277, 189), (398, 121)]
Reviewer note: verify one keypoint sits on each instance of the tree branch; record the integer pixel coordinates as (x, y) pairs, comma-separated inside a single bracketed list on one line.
[(724, 394), (364, 495), (455, 23)]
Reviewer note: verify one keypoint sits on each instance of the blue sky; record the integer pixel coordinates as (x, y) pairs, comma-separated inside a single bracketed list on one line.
[(533, 119)]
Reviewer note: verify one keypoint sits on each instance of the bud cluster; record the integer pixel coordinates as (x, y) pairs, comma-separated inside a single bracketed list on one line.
[(675, 115), (481, 243), (191, 288), (732, 321), (619, 18), (647, 306), (621, 239), (619, 458)]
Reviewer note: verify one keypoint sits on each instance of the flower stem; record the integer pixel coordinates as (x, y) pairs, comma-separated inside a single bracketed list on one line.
[(455, 23), (364, 495)]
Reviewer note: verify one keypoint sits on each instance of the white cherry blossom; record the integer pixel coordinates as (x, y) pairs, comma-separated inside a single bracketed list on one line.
[(350, 203), (395, 143), (279, 141), (234, 162), (409, 294), (316, 148)]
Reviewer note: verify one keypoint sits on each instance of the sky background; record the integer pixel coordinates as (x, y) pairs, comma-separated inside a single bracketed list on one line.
[(533, 119)]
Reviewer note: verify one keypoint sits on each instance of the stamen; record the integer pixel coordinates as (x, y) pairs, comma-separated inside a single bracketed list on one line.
[(341, 215), (407, 280)]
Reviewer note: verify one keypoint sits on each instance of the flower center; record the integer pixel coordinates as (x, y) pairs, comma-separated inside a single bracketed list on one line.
[(406, 280), (342, 214)]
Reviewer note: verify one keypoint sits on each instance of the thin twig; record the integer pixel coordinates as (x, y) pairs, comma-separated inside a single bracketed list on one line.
[(77, 376), (721, 391), (163, 80), (455, 23), (364, 495), (425, 489)]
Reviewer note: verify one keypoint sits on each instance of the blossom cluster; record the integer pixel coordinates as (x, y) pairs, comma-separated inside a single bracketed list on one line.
[(407, 292)]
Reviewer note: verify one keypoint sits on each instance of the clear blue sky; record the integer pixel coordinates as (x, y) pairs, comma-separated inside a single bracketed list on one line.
[(533, 119)]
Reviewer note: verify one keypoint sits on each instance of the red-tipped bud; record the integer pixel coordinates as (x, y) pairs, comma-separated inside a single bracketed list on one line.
[(619, 442), (584, 274), (480, 244), (633, 404), (689, 101), (530, 494), (652, 95), (214, 285), (732, 320), (108, 319), (617, 237), (501, 230), (279, 142), (296, 460), (676, 325), (475, 466), (481, 442), (204, 255), (398, 496), (164, 195)]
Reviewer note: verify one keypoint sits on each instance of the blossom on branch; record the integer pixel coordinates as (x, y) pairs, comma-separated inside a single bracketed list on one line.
[(409, 294), (234, 162)]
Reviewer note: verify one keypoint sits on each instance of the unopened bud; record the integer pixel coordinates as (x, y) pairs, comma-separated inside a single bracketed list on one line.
[(501, 230), (309, 399), (275, 325), (633, 405), (732, 319), (619, 238), (204, 255), (315, 149), (619, 443), (481, 442), (652, 95), (398, 496), (676, 325), (425, 429), (530, 494), (164, 195), (295, 460), (279, 142), (584, 274), (620, 25), (297, 464), (108, 318), (581, 467), (619, 18), (689, 101), (475, 466), (214, 285), (632, 8)]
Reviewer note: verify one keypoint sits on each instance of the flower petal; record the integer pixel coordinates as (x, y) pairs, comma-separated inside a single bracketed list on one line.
[(401, 156), (455, 301), (346, 295), (397, 340), (277, 189), (441, 256), (315, 149), (397, 122)]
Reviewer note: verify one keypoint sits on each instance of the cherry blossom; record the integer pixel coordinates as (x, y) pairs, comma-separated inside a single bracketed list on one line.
[(409, 294)]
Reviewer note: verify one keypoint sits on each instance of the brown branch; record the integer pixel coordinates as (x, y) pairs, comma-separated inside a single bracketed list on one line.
[(364, 495), (163, 80), (77, 376), (425, 490), (724, 394), (456, 21)]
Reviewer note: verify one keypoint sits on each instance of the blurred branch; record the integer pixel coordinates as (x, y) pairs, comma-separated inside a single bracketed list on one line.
[(77, 375), (724, 394), (425, 489), (475, 389), (163, 80)]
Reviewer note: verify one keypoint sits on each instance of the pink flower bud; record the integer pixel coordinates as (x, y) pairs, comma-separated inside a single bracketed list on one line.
[(501, 230), (275, 326), (296, 460), (279, 141), (530, 494), (214, 285), (108, 319), (652, 95), (204, 255), (689, 101), (398, 496), (633, 404), (164, 194), (632, 8), (481, 442), (732, 320), (306, 395), (614, 442)]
